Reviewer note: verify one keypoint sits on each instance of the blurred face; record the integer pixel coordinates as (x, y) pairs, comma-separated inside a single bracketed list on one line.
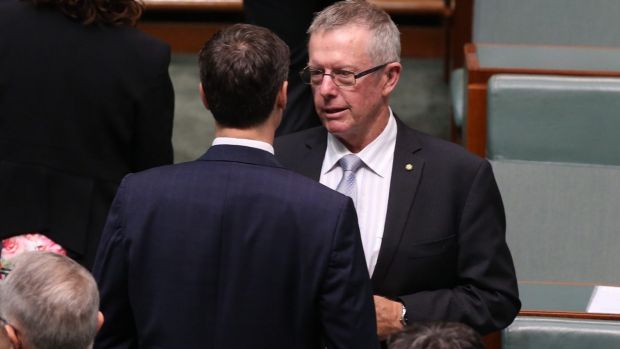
[(355, 114)]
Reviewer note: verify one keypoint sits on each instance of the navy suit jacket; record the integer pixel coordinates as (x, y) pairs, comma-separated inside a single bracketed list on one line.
[(232, 251), (444, 252)]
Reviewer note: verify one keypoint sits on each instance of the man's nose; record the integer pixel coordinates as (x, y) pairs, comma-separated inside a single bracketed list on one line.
[(327, 87)]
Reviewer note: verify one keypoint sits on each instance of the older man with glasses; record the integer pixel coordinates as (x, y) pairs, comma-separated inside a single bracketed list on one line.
[(430, 214)]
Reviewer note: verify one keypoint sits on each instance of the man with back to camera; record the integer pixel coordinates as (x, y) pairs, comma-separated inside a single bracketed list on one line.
[(48, 301), (232, 250), (430, 213)]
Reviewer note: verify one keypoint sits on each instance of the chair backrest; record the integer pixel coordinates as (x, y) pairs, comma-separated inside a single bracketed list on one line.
[(543, 332), (547, 22), (562, 220), (552, 118), (555, 150)]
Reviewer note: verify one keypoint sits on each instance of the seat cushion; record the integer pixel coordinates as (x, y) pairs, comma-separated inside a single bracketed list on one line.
[(562, 220), (542, 332)]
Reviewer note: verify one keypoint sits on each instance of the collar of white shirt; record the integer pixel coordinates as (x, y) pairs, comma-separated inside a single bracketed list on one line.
[(244, 142), (373, 155)]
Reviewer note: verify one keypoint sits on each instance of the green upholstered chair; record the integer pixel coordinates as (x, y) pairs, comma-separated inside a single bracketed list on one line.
[(550, 333), (554, 146), (562, 220), (552, 118), (555, 149), (557, 22), (548, 22)]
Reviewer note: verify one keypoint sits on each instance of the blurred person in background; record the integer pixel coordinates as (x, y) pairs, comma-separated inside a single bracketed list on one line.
[(48, 301), (436, 335), (289, 20), (85, 98)]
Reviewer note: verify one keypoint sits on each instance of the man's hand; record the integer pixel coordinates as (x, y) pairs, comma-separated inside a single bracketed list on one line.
[(388, 316)]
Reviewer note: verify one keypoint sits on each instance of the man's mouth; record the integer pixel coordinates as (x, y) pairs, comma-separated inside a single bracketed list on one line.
[(333, 112)]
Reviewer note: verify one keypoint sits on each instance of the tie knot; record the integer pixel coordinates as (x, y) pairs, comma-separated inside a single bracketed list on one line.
[(350, 162)]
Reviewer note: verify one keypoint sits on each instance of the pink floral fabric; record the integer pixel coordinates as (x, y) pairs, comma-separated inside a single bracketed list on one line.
[(26, 242)]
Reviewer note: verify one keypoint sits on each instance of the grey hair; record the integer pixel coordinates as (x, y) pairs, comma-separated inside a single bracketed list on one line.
[(385, 42), (52, 300), (436, 335)]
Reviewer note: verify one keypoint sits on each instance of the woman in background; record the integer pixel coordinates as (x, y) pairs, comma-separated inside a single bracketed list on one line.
[(85, 98)]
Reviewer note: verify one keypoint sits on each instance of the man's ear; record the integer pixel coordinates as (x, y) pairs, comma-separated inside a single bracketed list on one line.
[(100, 320), (393, 75), (12, 335), (203, 98), (281, 99)]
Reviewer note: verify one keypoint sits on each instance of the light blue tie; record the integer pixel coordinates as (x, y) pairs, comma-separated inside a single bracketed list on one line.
[(350, 163)]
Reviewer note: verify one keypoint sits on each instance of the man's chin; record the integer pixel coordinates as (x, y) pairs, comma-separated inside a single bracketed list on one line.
[(335, 127)]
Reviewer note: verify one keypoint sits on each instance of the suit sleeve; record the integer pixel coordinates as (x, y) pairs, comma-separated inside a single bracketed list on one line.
[(485, 295), (111, 273), (346, 305), (152, 137)]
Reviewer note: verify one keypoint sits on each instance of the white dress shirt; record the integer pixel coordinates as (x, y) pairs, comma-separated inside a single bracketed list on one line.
[(372, 183), (244, 142)]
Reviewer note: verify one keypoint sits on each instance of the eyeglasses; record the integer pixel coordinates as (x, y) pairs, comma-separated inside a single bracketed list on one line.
[(340, 77)]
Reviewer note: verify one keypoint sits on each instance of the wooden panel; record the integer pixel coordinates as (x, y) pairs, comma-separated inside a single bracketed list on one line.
[(186, 24), (183, 37), (188, 37), (475, 136), (414, 6), (194, 5), (570, 315), (460, 32), (422, 42), (391, 6)]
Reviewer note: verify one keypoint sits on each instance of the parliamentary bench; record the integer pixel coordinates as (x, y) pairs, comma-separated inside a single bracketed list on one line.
[(527, 37), (187, 24), (553, 145), (391, 6)]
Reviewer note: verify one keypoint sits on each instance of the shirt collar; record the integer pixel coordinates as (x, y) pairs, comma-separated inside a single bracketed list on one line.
[(244, 142), (373, 155)]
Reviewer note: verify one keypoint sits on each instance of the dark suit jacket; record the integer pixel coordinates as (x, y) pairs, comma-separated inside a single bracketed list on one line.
[(80, 107), (232, 251), (444, 252), (290, 20)]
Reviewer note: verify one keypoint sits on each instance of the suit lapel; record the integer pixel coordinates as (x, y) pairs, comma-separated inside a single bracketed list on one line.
[(406, 175)]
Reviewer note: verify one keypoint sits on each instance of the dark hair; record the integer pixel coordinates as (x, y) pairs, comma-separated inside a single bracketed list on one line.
[(109, 12), (436, 335), (242, 68)]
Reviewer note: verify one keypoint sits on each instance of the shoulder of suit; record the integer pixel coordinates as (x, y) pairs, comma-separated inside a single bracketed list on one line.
[(299, 138), (433, 147)]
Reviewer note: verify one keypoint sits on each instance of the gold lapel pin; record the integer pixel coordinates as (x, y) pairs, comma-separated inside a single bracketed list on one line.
[(409, 167)]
